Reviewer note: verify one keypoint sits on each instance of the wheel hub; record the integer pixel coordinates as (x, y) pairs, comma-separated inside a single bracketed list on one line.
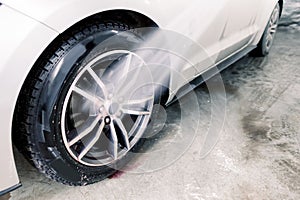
[(110, 108), (114, 108)]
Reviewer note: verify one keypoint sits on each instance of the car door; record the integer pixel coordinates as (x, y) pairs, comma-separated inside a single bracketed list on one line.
[(202, 22), (240, 27)]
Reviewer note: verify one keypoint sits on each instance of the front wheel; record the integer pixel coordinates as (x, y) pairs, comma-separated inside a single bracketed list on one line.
[(80, 114)]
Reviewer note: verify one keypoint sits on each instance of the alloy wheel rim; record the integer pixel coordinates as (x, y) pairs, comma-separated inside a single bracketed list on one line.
[(272, 27), (99, 124)]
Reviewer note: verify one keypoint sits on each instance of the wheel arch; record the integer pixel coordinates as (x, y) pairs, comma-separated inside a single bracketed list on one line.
[(133, 18), (281, 6)]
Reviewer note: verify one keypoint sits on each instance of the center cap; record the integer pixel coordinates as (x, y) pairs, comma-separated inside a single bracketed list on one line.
[(113, 108), (107, 120)]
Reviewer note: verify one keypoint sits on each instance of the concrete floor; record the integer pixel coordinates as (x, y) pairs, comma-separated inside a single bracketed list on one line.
[(256, 155)]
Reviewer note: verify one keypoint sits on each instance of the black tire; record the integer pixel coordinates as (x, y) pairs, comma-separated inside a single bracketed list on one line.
[(37, 121), (264, 46)]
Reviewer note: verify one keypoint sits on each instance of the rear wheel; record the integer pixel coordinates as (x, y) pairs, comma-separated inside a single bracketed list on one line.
[(266, 42), (78, 117)]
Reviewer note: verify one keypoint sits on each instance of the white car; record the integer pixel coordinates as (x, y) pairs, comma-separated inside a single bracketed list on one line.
[(62, 100)]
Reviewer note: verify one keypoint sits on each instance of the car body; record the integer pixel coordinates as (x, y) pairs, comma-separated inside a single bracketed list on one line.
[(227, 29)]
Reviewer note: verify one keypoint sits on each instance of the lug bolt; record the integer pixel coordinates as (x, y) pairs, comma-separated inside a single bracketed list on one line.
[(110, 96), (119, 114), (101, 109)]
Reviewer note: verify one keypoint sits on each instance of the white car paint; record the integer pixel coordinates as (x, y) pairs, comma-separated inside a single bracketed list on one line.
[(28, 27), (25, 38)]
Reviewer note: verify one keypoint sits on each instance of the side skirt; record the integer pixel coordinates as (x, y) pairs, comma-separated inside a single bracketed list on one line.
[(210, 73), (3, 192)]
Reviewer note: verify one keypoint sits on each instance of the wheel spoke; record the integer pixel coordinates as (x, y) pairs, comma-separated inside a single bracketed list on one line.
[(275, 16), (273, 28), (86, 95), (135, 74), (98, 81), (137, 101), (123, 131), (84, 129), (113, 145), (92, 142), (128, 62), (271, 38), (123, 74), (136, 112)]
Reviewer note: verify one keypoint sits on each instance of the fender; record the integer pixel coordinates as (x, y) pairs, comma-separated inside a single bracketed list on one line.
[(60, 15), (22, 41)]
